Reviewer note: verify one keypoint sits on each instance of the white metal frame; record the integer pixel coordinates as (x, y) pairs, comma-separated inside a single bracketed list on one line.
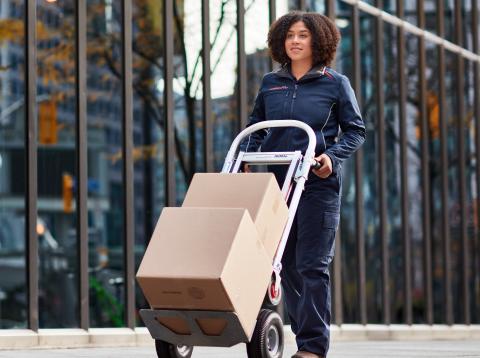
[(299, 172)]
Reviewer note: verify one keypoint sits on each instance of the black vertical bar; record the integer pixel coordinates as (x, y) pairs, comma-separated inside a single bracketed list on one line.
[(242, 65), (168, 104), (81, 160), (272, 11), (359, 202), (272, 16), (302, 5), (461, 161), (425, 158), (31, 163), (382, 187), (337, 262), (476, 69), (444, 170), (331, 12), (127, 149), (147, 171), (402, 91), (207, 98)]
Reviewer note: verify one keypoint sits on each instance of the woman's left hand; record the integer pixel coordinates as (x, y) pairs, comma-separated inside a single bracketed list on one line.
[(326, 166)]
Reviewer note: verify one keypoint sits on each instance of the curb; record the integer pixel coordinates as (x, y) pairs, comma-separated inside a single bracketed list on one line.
[(125, 337)]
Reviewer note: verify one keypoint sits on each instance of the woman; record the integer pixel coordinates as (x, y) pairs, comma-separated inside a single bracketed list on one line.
[(305, 89)]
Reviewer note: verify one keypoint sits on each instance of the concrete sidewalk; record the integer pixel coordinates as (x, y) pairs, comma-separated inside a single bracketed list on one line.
[(366, 349)]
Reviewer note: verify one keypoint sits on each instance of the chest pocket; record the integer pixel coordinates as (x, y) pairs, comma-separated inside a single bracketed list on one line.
[(276, 103)]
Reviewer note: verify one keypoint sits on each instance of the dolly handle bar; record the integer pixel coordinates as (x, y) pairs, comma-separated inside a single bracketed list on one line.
[(309, 154)]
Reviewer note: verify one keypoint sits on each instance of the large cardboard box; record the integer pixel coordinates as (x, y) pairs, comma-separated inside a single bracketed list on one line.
[(206, 259), (257, 192)]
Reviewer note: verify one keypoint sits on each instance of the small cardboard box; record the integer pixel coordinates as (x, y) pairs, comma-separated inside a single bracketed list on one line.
[(206, 259), (257, 192)]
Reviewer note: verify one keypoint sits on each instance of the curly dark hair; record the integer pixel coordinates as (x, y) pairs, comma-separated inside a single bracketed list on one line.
[(325, 37)]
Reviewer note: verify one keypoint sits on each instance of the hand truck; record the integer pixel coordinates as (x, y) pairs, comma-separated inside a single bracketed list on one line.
[(267, 340)]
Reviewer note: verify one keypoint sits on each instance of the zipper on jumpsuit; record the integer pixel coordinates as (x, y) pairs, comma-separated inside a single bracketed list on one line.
[(291, 108)]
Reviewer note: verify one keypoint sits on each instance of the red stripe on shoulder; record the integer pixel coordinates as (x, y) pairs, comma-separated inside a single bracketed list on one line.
[(328, 74)]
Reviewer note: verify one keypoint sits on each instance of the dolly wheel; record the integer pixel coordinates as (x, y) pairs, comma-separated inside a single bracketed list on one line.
[(168, 350), (274, 293), (267, 339)]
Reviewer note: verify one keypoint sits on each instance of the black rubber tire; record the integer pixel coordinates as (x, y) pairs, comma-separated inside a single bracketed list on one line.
[(268, 338), (168, 350)]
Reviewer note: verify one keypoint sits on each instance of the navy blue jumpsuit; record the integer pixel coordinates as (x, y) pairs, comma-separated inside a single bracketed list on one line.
[(325, 100)]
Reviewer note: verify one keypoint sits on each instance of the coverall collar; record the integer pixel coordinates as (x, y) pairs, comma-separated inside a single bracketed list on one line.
[(314, 72)]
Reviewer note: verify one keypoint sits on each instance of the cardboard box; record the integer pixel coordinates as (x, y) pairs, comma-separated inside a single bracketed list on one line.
[(257, 192), (206, 259)]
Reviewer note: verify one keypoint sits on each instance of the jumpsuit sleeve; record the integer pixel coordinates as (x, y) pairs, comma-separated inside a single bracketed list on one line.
[(254, 140), (351, 124)]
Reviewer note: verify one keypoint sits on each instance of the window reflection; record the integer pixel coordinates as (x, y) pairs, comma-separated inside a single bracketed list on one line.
[(393, 172), (449, 20), (13, 304), (258, 59), (467, 28), (187, 87), (105, 183), (223, 39), (414, 175), (454, 205), (390, 6), (344, 65), (433, 111), (431, 13), (57, 219), (316, 6), (283, 6), (370, 170), (411, 11), (471, 179), (58, 276), (148, 125)]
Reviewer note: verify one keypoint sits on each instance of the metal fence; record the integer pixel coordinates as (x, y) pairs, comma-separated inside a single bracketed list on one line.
[(434, 153)]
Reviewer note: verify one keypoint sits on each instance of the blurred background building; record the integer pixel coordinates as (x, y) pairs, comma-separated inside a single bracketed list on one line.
[(110, 86)]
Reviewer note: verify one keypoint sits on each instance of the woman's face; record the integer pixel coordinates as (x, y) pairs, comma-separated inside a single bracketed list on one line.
[(298, 43)]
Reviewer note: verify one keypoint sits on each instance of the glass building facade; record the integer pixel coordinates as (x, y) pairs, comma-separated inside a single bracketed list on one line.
[(108, 108)]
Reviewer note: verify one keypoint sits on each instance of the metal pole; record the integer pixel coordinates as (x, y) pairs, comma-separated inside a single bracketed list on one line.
[(31, 194), (127, 149), (425, 159), (461, 162), (272, 11), (168, 104), (359, 202), (207, 99), (476, 49), (242, 65), (272, 16), (81, 159), (302, 5), (407, 262), (337, 262), (448, 298), (382, 186), (331, 13)]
